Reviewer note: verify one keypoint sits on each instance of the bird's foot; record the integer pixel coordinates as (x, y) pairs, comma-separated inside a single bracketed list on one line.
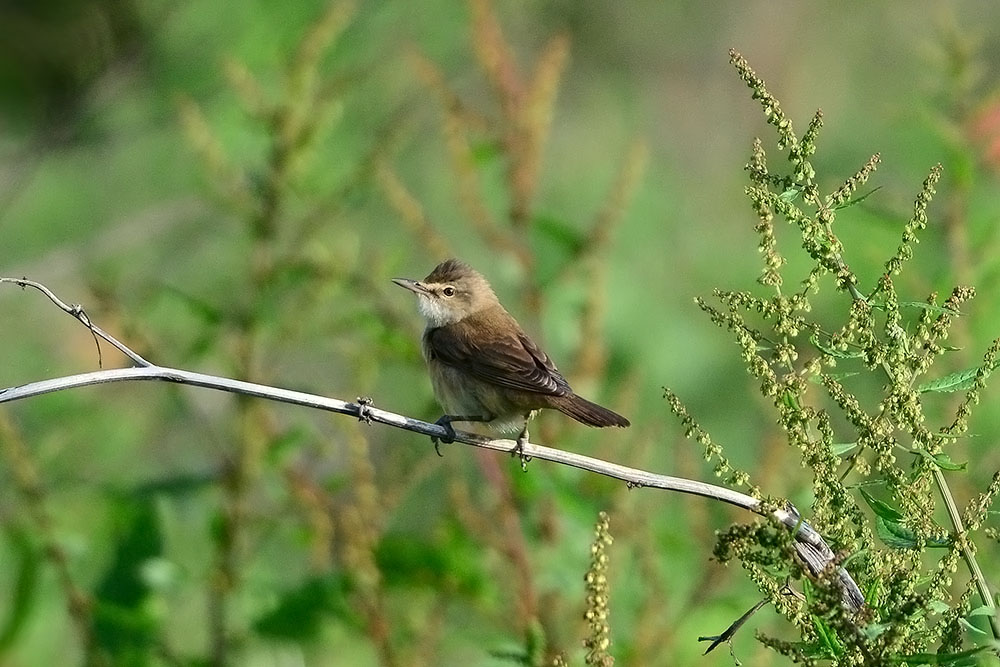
[(518, 450), (364, 404), (445, 422)]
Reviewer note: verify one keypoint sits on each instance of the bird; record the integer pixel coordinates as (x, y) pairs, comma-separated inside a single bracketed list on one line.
[(483, 366)]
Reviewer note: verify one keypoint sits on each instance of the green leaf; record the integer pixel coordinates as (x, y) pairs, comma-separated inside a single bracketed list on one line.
[(513, 654), (983, 610), (962, 659), (175, 485), (939, 606), (960, 381), (841, 448), (898, 536), (881, 509), (791, 401), (858, 199), (971, 628), (874, 630), (895, 534), (929, 307), (837, 354), (943, 461), (873, 591), (289, 440), (827, 637), (790, 195)]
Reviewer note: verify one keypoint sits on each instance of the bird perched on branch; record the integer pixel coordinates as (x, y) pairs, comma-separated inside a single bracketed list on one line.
[(483, 367)]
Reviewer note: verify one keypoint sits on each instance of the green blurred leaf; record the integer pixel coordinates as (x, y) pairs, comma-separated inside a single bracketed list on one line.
[(530, 653), (807, 591), (559, 231), (299, 612), (175, 485), (20, 601), (873, 630), (484, 152), (514, 654), (207, 313), (409, 560), (124, 626), (289, 439)]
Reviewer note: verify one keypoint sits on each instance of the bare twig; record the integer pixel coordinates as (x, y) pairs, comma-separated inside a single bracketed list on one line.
[(730, 632), (809, 543), (79, 314)]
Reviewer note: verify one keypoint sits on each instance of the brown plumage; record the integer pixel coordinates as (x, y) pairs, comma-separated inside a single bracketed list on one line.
[(482, 365)]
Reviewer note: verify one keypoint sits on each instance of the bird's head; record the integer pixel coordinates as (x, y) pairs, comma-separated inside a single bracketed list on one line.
[(452, 292)]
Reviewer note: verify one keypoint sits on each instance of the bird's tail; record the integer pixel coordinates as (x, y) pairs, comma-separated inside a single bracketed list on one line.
[(588, 413)]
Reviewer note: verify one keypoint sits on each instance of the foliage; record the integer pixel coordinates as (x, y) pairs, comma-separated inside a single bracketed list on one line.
[(895, 465)]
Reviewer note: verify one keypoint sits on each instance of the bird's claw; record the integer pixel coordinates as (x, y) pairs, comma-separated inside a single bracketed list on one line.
[(518, 450), (364, 414), (445, 423)]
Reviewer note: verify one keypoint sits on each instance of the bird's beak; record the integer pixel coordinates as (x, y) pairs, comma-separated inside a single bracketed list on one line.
[(412, 285)]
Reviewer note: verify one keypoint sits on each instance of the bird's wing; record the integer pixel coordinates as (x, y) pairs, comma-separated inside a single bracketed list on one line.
[(509, 359)]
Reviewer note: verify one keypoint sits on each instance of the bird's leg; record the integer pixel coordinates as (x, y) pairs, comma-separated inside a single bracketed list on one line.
[(446, 420), (522, 438)]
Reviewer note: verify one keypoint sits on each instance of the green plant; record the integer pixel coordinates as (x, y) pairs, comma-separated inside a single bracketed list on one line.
[(851, 398)]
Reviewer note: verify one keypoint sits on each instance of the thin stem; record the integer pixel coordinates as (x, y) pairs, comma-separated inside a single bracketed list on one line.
[(29, 485), (982, 586), (80, 315)]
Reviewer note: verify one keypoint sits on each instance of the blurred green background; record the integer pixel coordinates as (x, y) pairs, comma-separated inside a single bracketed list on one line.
[(224, 200)]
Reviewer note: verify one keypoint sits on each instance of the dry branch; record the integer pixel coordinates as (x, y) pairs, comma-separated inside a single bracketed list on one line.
[(809, 544)]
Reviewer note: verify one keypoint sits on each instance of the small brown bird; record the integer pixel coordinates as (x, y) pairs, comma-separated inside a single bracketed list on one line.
[(483, 367)]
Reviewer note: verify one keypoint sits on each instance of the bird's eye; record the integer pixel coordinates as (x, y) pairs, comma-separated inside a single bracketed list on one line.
[(448, 291)]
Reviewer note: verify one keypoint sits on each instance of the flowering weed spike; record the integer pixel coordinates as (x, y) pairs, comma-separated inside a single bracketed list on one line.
[(916, 223), (772, 109), (757, 166), (598, 591), (809, 138)]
